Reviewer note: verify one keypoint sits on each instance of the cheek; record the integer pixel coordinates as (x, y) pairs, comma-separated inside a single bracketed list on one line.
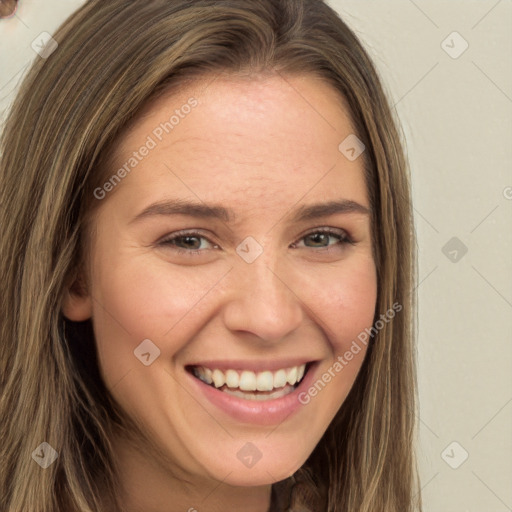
[(139, 300), (345, 309), (345, 301), (149, 301)]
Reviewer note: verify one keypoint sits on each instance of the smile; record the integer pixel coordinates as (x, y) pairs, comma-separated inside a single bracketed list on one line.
[(250, 385), (252, 393)]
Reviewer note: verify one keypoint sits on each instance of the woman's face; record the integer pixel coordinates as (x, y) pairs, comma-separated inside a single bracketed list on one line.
[(209, 264)]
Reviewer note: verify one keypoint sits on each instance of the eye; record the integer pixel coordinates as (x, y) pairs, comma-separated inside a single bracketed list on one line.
[(190, 243), (190, 240), (323, 235)]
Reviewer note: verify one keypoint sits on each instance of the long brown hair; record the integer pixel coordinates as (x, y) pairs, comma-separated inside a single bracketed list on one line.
[(112, 58)]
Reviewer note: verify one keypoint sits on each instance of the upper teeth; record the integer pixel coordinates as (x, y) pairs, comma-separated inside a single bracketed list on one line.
[(250, 381)]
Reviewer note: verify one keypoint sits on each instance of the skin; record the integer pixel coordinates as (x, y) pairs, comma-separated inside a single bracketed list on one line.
[(262, 146)]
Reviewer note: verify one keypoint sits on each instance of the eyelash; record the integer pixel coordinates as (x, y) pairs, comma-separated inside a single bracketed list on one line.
[(342, 236)]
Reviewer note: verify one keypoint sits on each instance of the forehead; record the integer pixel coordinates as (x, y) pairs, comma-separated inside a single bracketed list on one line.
[(259, 142)]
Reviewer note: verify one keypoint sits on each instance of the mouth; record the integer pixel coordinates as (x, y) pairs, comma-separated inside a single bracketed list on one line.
[(251, 385), (252, 392)]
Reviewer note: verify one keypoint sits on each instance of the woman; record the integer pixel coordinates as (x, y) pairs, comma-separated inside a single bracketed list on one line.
[(255, 371)]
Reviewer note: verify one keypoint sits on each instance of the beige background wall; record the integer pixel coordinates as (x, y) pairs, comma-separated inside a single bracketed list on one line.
[(457, 117), (455, 106)]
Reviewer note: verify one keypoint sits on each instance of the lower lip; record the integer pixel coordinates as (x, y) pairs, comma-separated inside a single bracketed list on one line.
[(267, 412)]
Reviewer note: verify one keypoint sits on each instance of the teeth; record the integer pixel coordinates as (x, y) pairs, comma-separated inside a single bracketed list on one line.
[(265, 381), (208, 375), (247, 380), (232, 379), (292, 375), (280, 378), (218, 378), (254, 396)]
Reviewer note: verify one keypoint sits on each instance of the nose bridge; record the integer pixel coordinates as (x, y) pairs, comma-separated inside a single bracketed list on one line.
[(261, 300)]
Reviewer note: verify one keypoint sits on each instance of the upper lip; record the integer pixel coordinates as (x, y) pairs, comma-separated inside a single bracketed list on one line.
[(255, 366)]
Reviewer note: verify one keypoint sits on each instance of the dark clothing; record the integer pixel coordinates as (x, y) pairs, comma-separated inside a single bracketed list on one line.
[(299, 493)]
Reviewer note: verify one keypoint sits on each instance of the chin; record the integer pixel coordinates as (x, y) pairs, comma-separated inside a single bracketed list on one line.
[(255, 477), (265, 471)]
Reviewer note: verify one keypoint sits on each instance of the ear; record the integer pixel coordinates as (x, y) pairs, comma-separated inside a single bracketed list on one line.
[(77, 302)]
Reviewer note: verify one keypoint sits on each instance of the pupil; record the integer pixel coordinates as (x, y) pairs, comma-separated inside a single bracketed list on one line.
[(317, 235), (187, 239)]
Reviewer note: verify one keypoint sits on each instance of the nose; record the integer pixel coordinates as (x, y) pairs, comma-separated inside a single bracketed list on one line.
[(261, 300)]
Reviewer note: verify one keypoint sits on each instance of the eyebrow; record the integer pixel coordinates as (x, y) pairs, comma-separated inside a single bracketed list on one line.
[(214, 211)]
